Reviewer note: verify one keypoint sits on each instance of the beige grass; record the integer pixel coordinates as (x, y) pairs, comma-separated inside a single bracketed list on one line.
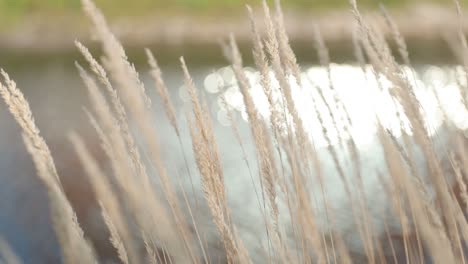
[(75, 248), (147, 225)]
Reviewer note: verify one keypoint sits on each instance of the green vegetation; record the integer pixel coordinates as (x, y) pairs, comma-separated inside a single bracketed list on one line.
[(18, 9)]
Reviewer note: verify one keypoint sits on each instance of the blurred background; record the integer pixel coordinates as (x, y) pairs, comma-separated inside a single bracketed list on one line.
[(37, 50)]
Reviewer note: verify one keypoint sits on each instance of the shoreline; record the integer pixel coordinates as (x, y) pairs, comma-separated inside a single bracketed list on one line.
[(422, 24)]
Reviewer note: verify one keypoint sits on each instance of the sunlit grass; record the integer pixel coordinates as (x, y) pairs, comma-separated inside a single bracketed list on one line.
[(328, 195)]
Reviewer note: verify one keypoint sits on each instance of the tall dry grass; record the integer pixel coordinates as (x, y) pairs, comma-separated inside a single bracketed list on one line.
[(155, 220)]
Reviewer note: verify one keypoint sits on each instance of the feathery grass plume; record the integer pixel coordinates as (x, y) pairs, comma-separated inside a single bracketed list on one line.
[(75, 248), (111, 210), (432, 232), (405, 95), (286, 53), (298, 141), (272, 48), (407, 154), (359, 210), (301, 141), (269, 174), (114, 51), (239, 140), (153, 256), (7, 254), (310, 238), (409, 160), (118, 108), (261, 201), (277, 118), (340, 114), (405, 150), (420, 186), (19, 108), (209, 164), (374, 44), (115, 238), (132, 185), (263, 145), (126, 78), (206, 134), (451, 215), (291, 142), (404, 54), (118, 156), (379, 52), (161, 88)]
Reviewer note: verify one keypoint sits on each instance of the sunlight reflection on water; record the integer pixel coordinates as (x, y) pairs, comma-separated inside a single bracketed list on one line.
[(364, 94)]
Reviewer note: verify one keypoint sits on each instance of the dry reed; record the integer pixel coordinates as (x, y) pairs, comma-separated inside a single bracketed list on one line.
[(75, 248)]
